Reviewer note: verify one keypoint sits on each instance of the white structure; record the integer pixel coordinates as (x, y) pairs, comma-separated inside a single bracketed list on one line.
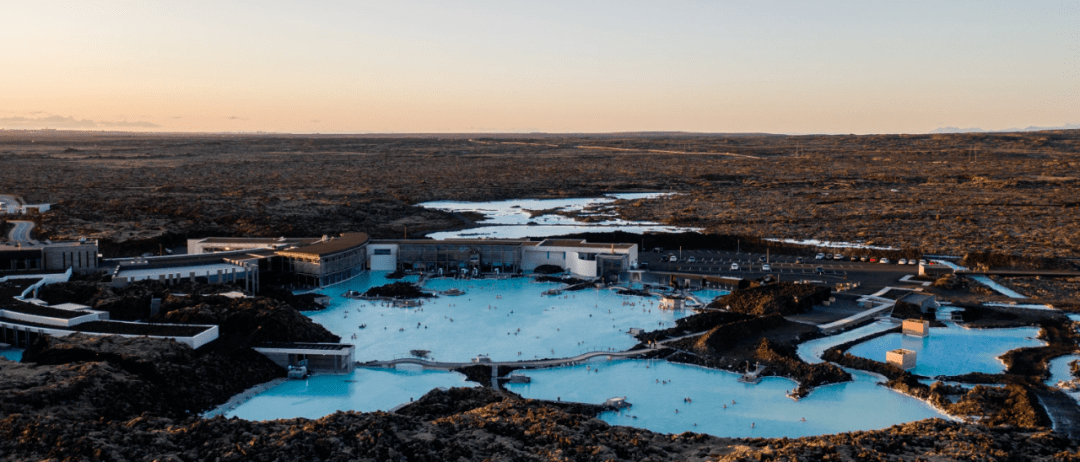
[(20, 209), (904, 359), (226, 244)]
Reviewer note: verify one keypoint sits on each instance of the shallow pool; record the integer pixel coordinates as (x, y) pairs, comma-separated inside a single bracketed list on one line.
[(511, 219), (760, 410), (1059, 369), (365, 390), (14, 354), (953, 350), (500, 318)]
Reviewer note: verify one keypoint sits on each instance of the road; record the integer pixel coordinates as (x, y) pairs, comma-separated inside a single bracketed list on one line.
[(21, 231)]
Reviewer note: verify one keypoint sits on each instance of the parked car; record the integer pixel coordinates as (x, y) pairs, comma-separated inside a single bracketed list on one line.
[(766, 267), (873, 259), (691, 260), (799, 260), (902, 261), (883, 260), (820, 270), (864, 258), (734, 266), (838, 257), (911, 262), (673, 258), (828, 256), (819, 256), (760, 258), (923, 262)]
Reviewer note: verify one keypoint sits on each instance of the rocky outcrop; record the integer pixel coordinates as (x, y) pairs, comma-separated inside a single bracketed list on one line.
[(400, 290), (781, 298), (118, 378), (254, 320)]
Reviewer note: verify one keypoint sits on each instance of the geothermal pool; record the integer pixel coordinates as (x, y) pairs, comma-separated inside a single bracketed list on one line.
[(511, 219), (14, 354), (953, 350), (760, 410), (365, 390), (507, 319)]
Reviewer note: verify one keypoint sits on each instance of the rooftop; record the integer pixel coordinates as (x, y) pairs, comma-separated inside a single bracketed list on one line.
[(29, 308), (323, 248)]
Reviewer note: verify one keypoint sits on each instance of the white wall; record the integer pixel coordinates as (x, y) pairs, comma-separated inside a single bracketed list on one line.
[(535, 256), (382, 262)]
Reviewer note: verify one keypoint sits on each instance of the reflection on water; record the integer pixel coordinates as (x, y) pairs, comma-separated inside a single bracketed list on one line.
[(760, 410), (496, 317), (953, 350), (511, 219), (365, 390)]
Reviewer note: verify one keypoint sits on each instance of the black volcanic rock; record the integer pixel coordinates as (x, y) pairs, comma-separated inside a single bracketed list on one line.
[(129, 376), (255, 320), (781, 298)]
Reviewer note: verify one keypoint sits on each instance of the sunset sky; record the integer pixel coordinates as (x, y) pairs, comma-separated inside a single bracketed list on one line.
[(552, 66)]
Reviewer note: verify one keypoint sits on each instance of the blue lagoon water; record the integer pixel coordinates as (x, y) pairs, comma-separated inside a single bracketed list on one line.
[(1059, 369), (499, 318), (365, 390), (953, 350), (858, 405), (14, 354)]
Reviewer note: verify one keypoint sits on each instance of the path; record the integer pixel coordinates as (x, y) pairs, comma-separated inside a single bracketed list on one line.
[(531, 363), (1064, 411), (21, 231)]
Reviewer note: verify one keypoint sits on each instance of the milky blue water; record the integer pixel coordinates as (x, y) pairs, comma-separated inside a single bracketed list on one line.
[(511, 219), (1059, 369), (953, 350), (499, 318), (858, 405), (14, 354), (365, 390)]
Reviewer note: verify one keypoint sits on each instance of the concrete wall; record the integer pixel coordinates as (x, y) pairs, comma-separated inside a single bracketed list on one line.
[(81, 257), (50, 321), (536, 256), (382, 262)]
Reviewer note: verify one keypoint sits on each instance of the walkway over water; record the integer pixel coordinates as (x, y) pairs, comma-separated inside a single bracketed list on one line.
[(523, 363), (1019, 273)]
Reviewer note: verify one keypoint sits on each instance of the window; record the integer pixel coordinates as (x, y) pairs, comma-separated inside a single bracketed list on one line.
[(382, 251)]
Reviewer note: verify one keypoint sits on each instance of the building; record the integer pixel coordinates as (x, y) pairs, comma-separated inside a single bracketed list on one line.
[(331, 260), (334, 358), (904, 359), (916, 327), (81, 256), (327, 261), (22, 209), (226, 244), (925, 302), (578, 257), (934, 271)]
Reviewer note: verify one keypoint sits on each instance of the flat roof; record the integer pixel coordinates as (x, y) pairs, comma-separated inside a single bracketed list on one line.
[(322, 248), (582, 243), (37, 310), (453, 241), (258, 240), (209, 269)]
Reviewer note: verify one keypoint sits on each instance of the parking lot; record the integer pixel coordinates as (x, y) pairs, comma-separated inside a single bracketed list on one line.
[(783, 267)]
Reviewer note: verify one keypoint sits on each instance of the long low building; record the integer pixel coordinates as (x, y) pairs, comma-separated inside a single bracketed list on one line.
[(34, 256), (331, 260)]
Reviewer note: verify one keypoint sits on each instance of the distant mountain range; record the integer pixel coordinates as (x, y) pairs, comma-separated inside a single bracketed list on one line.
[(979, 130)]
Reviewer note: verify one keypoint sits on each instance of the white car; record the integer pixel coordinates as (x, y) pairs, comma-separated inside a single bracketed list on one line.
[(902, 261), (691, 260), (673, 258), (734, 266), (838, 257), (766, 267), (911, 262), (819, 256), (883, 260)]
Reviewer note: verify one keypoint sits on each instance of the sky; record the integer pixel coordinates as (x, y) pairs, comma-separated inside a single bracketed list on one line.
[(419, 66)]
